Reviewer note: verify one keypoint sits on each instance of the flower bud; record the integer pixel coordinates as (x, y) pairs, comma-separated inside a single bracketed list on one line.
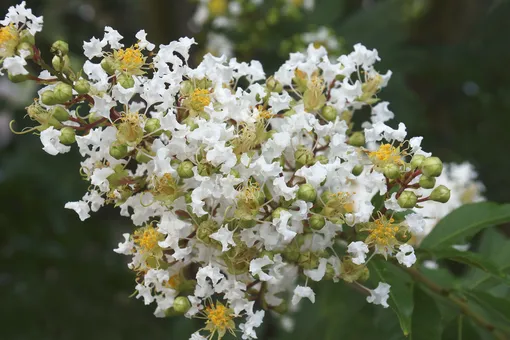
[(391, 171), (440, 194), (329, 113), (82, 86), (351, 272), (48, 98), (273, 85), (181, 304), (60, 47), (416, 161), (118, 151), (17, 78), (407, 199), (346, 116), (330, 272), (204, 169), (291, 253), (186, 88), (24, 46), (59, 113), (126, 81), (63, 93), (357, 139), (317, 222), (307, 193), (403, 236), (60, 63), (432, 167), (67, 136), (142, 157), (185, 169), (427, 182), (152, 125), (277, 211), (308, 260), (357, 170), (108, 65), (303, 156), (322, 159)]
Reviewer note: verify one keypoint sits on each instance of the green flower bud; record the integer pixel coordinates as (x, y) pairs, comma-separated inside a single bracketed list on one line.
[(204, 169), (329, 113), (308, 260), (82, 86), (181, 304), (48, 98), (118, 151), (246, 224), (317, 222), (330, 272), (185, 169), (346, 116), (126, 81), (186, 88), (59, 47), (432, 167), (351, 272), (108, 65), (63, 93), (276, 213), (60, 63), (357, 170), (322, 159), (273, 85), (440, 194), (59, 113), (152, 125), (67, 136), (416, 161), (357, 139), (142, 157), (303, 156), (427, 182), (18, 78), (403, 236), (24, 46), (27, 37), (391, 171), (407, 199), (291, 254), (307, 193)]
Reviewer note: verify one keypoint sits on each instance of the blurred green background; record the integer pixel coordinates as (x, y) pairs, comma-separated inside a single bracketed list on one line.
[(60, 279)]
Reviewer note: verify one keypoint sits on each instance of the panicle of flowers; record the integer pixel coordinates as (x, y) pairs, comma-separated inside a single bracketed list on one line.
[(241, 196)]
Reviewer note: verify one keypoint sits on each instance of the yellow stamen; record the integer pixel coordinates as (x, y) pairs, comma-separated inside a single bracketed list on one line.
[(147, 238), (8, 40), (219, 319), (386, 154), (199, 99), (130, 59)]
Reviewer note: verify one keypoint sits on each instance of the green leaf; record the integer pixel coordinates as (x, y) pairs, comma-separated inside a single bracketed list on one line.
[(499, 307), (426, 320), (401, 297), (461, 328), (464, 222)]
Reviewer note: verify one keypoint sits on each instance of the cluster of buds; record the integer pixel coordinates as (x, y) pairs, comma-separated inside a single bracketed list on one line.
[(243, 189)]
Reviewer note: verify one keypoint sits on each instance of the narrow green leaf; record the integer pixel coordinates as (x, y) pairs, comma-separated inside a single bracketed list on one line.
[(498, 306), (465, 222), (426, 320), (401, 296), (467, 257)]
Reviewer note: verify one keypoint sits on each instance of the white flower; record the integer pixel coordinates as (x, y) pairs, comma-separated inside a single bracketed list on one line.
[(314, 175), (16, 65), (142, 41), (406, 255), (224, 236), (358, 250), (125, 247), (256, 266), (380, 295), (416, 223), (303, 292), (100, 178), (51, 142), (94, 48), (112, 37), (81, 208), (279, 102), (317, 274), (381, 113)]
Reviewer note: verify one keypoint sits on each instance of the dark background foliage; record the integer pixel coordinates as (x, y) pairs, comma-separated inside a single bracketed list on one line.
[(59, 278)]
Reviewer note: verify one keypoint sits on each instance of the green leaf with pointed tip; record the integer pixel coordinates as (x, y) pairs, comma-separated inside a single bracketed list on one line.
[(465, 222), (426, 320)]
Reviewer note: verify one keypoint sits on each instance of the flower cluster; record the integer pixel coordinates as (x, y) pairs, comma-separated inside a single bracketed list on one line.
[(243, 189)]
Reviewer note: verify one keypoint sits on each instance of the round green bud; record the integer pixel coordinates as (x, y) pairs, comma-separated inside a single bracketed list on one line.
[(82, 86), (27, 37), (291, 254), (186, 88), (48, 98), (427, 182), (357, 170), (246, 224), (307, 193), (60, 47), (152, 125), (357, 139), (273, 85), (329, 113), (185, 169), (317, 222), (118, 151), (181, 304), (391, 171), (126, 81), (63, 93), (322, 159), (308, 260), (364, 275), (204, 169), (403, 236), (18, 78), (59, 113), (416, 161), (108, 65), (60, 63), (303, 156), (407, 200), (276, 213), (67, 136), (346, 116), (24, 46), (440, 194), (432, 167), (142, 157)]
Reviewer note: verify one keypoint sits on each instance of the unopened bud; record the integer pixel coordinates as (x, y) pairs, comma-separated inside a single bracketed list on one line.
[(67, 136), (440, 194), (407, 200), (126, 81), (273, 85), (357, 170), (403, 236), (60, 47), (48, 98), (142, 157), (317, 222), (181, 304), (276, 213), (357, 139), (82, 86), (18, 78), (152, 125), (308, 260), (432, 167), (329, 113), (303, 156), (391, 171), (307, 193), (416, 161), (322, 159), (118, 151), (185, 169), (59, 113), (427, 182), (63, 93), (108, 65)]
